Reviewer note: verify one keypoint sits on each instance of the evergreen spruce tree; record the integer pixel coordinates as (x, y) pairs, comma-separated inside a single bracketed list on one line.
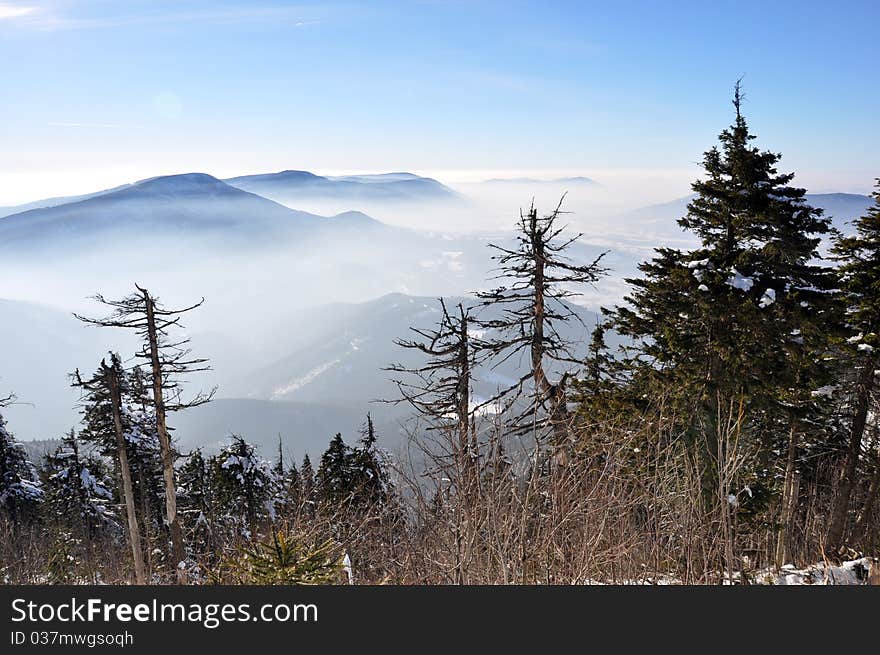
[(290, 492), (596, 388), (370, 482), (77, 509), (198, 505), (859, 271), (142, 439), (169, 358), (63, 564), (307, 486), (139, 429), (20, 487), (728, 315), (334, 477), (243, 483), (77, 490), (738, 326), (119, 422), (196, 486), (278, 470), (287, 559), (287, 490), (598, 360), (373, 516)]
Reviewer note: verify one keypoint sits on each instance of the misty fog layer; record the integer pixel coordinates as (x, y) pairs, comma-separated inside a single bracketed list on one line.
[(305, 291)]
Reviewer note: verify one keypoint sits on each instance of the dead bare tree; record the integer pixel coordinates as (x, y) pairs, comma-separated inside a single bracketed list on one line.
[(169, 359), (108, 382), (440, 389), (537, 279)]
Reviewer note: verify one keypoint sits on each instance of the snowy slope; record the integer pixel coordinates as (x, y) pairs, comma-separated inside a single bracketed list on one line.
[(56, 201), (336, 353)]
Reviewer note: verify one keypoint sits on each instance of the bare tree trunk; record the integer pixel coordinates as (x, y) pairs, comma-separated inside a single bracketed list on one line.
[(726, 528), (542, 384), (147, 520), (128, 491), (848, 475), (543, 388), (467, 448), (177, 547), (167, 359), (864, 516), (790, 492)]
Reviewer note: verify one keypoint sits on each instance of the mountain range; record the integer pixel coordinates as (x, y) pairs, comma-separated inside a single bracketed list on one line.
[(199, 236), (298, 322), (188, 206), (291, 187)]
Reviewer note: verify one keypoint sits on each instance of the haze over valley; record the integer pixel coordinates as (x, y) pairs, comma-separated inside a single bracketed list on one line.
[(301, 308)]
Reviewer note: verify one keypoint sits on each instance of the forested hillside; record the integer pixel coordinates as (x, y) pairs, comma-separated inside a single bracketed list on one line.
[(716, 425)]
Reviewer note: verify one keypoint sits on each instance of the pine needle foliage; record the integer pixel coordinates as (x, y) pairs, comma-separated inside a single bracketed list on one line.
[(289, 559)]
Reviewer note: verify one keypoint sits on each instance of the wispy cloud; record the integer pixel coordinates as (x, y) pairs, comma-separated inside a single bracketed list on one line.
[(14, 11), (88, 125), (57, 19)]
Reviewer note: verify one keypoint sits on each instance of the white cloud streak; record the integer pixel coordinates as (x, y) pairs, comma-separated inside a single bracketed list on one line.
[(12, 11), (92, 125), (54, 20)]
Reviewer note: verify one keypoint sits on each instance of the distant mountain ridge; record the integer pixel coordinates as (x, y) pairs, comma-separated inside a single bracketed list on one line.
[(377, 177), (55, 201), (186, 205), (289, 186)]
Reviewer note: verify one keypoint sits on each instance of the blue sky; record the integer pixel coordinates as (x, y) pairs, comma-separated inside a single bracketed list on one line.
[(98, 92)]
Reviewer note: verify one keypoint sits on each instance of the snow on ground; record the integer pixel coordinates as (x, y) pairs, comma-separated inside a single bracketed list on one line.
[(865, 570), (862, 571), (299, 383)]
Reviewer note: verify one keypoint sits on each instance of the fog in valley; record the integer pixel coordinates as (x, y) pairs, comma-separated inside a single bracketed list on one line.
[(307, 281)]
